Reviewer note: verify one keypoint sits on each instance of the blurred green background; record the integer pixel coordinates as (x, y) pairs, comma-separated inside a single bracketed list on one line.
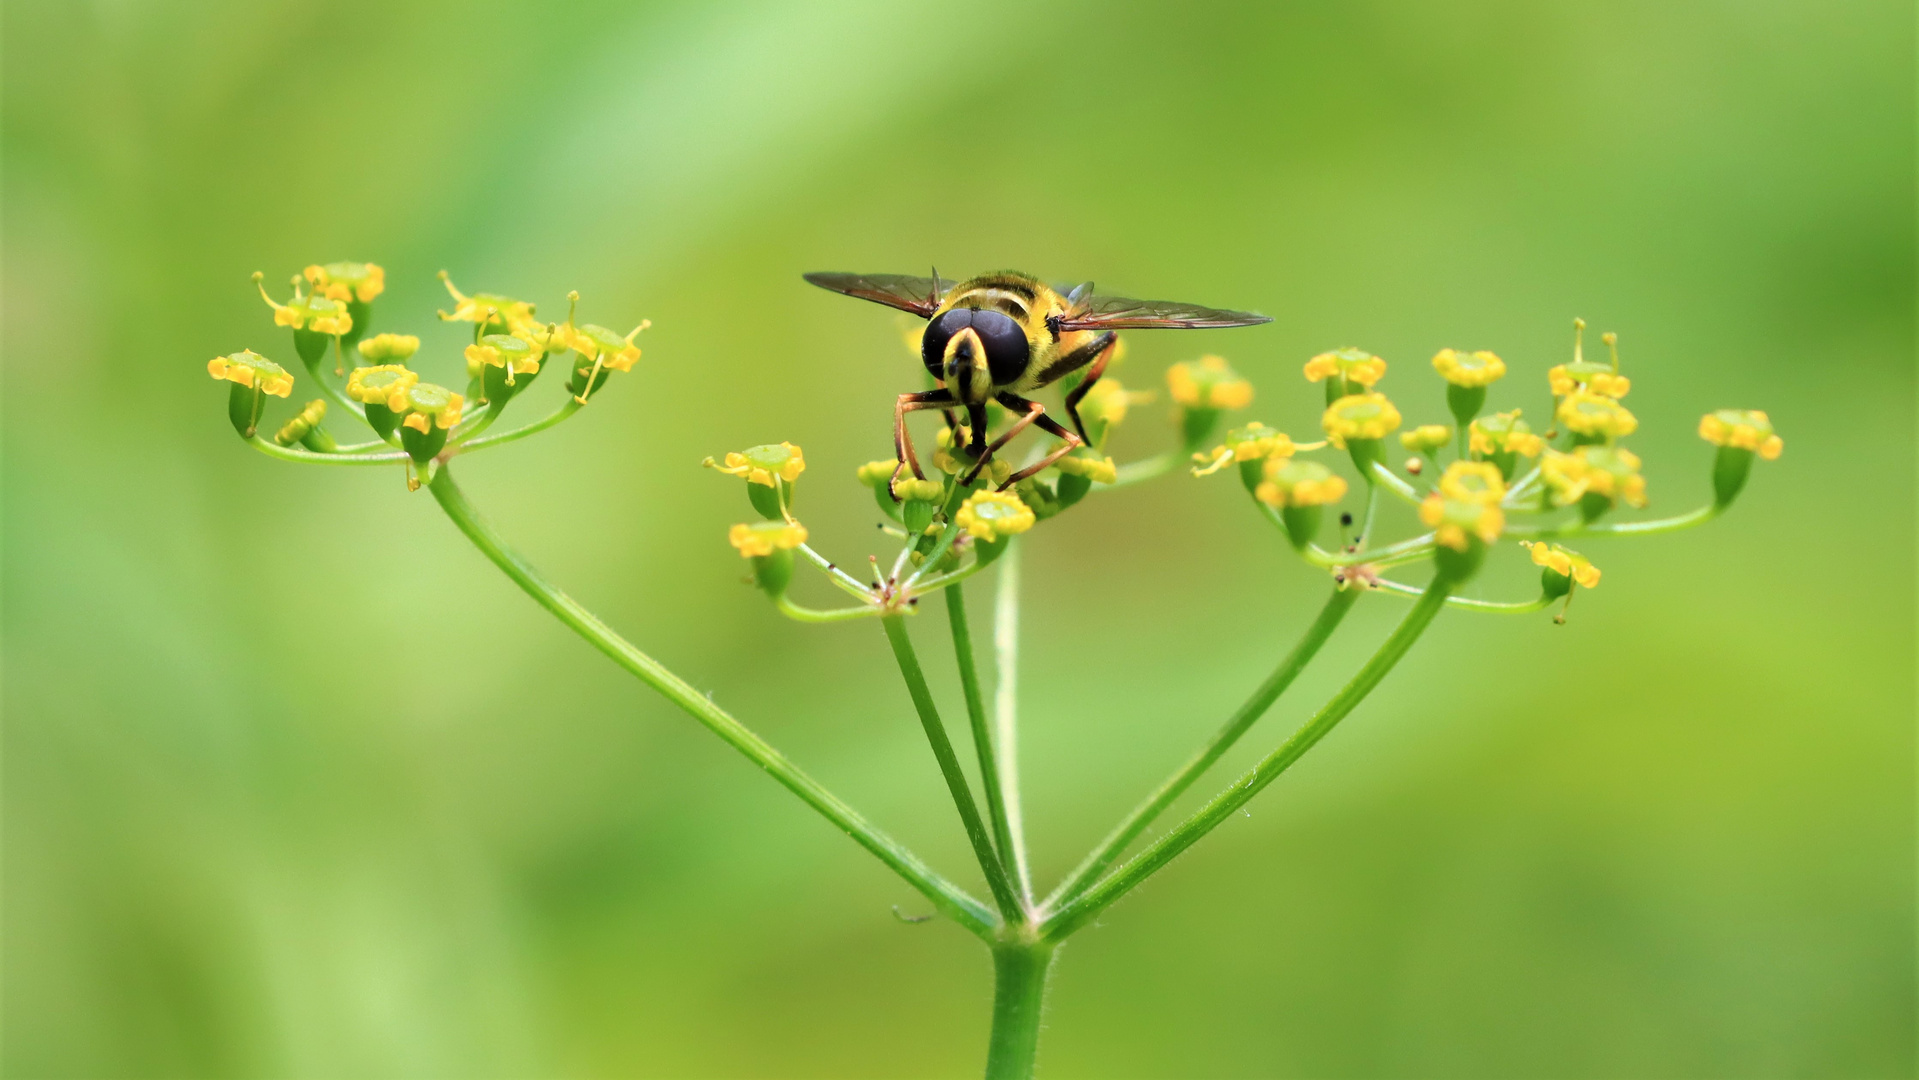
[(296, 785)]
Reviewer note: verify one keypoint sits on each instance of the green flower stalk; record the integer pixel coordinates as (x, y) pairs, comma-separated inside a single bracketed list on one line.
[(948, 528)]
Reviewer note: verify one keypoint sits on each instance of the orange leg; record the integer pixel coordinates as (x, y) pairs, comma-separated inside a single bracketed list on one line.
[(902, 442)]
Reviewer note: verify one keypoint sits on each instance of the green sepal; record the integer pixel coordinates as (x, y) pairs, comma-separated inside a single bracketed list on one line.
[(1554, 583), (772, 573), (1729, 471), (764, 499), (382, 420), (1364, 452), (887, 506), (1454, 566), (495, 390), (311, 346), (916, 515), (582, 368), (317, 440), (1577, 440), (1072, 489), (1252, 474), (422, 445), (1196, 427), (1505, 462), (243, 408), (1302, 524), (361, 312), (1592, 506), (1465, 402), (985, 551)]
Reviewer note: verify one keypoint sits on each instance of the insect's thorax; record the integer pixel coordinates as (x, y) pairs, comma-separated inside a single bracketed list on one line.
[(1028, 302)]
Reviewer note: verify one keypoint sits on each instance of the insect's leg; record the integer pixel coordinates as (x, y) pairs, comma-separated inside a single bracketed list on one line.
[(1104, 345), (902, 444), (976, 417), (1033, 411), (1046, 424)]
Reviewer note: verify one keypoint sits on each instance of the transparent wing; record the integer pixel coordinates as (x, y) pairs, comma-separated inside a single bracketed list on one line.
[(919, 295), (1125, 313)]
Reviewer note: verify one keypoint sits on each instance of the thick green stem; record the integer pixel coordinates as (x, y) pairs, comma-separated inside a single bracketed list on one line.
[(1116, 842), (1019, 995), (946, 896), (990, 780), (1076, 914), (989, 863)]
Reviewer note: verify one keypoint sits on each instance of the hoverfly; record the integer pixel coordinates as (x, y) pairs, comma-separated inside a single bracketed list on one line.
[(1002, 335)]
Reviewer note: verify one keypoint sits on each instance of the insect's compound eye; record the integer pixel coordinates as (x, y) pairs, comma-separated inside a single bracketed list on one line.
[(1006, 348), (938, 333)]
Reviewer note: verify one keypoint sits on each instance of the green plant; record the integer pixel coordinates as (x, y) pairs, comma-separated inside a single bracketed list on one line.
[(950, 531)]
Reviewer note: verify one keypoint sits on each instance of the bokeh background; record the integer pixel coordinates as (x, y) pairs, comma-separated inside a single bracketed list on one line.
[(297, 786)]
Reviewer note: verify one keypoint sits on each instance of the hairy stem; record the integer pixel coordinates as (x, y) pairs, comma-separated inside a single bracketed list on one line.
[(1076, 914), (946, 896), (1116, 842), (1019, 994), (983, 746), (949, 765)]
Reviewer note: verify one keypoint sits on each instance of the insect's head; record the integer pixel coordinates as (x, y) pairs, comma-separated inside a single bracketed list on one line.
[(974, 350)]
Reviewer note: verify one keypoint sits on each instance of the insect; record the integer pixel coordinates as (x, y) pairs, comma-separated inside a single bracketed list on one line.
[(1000, 336)]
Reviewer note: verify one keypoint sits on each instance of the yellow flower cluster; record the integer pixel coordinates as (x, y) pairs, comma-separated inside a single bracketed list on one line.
[(1359, 416), (1208, 383), (1601, 470), (516, 354), (766, 537), (1253, 442), (1095, 467), (989, 515), (1287, 482), (761, 464), (375, 385), (1466, 504), (1743, 429), (1503, 433), (1469, 369), (1566, 563), (1590, 378), (250, 369), (316, 313), (1352, 365), (1593, 415), (347, 281)]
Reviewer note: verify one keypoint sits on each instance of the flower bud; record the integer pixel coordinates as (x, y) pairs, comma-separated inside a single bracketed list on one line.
[(313, 318), (305, 429), (1594, 478), (769, 471), (1346, 371), (388, 348), (494, 314), (496, 361), (1739, 434), (253, 377), (769, 544), (1563, 568), (1592, 418), (1298, 489), (427, 412), (1356, 423), (1426, 438), (601, 352)]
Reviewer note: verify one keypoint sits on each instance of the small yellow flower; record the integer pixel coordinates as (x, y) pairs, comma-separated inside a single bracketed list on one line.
[(1503, 433), (388, 348), (989, 515), (1466, 369), (760, 464), (876, 473), (1589, 377), (1477, 482), (766, 537), (486, 308), (1298, 483), (1353, 365), (1426, 437), (250, 369), (1600, 470), (604, 346), (377, 384), (300, 426), (1591, 414), (345, 281), (1208, 383), (1108, 401), (1565, 563), (515, 354), (911, 488), (425, 403), (1254, 442), (1743, 429), (1098, 469), (319, 314), (1454, 521), (1359, 416)]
